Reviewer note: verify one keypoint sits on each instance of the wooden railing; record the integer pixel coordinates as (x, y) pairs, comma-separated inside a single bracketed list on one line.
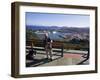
[(38, 45)]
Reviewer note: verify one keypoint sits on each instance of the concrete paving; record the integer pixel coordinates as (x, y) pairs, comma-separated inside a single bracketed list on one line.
[(68, 59)]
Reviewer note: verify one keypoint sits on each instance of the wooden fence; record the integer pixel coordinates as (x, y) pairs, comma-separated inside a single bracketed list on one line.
[(38, 46)]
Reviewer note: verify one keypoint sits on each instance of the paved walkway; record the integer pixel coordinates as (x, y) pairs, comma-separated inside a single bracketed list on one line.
[(67, 59)]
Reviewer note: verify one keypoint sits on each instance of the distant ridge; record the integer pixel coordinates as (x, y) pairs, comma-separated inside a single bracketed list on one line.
[(64, 29)]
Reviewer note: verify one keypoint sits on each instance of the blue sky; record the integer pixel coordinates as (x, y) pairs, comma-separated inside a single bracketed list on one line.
[(47, 19)]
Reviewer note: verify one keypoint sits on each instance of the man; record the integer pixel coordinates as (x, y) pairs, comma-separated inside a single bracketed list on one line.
[(48, 46)]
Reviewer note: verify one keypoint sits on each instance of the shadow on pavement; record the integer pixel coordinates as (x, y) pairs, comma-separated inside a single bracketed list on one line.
[(37, 62)]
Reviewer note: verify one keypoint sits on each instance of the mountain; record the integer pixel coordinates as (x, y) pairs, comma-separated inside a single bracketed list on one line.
[(62, 29), (74, 30), (35, 27)]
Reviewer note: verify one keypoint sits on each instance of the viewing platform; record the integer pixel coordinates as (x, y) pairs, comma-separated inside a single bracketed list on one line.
[(70, 57)]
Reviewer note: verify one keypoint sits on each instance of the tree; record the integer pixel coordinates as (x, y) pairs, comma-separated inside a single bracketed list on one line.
[(30, 34)]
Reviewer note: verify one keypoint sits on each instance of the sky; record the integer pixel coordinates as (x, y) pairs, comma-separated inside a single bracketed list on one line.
[(51, 19)]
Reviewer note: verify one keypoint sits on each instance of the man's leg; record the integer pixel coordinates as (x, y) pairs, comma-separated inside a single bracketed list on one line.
[(47, 52), (50, 52)]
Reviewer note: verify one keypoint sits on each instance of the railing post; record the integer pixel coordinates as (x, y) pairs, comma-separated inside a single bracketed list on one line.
[(88, 55), (62, 48)]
